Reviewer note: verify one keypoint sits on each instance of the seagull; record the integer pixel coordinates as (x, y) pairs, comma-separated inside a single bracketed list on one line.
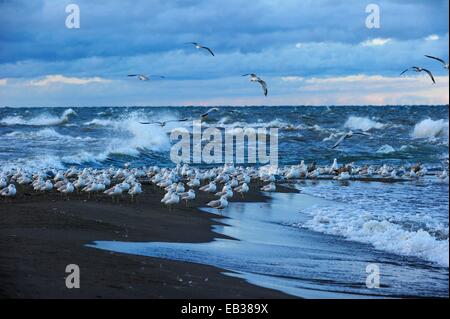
[(135, 190), (418, 69), (205, 115), (269, 188), (114, 191), (174, 199), (255, 78), (187, 196), (143, 77), (67, 189), (219, 204), (210, 188), (9, 191), (347, 136), (199, 46), (242, 189), (163, 123), (446, 66)]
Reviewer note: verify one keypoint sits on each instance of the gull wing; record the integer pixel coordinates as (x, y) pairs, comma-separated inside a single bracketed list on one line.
[(362, 133), (214, 203), (405, 71), (343, 137), (264, 86), (147, 123), (430, 74), (438, 59), (181, 120), (209, 50)]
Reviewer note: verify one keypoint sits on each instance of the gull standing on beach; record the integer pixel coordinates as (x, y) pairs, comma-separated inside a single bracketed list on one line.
[(173, 200), (135, 190), (446, 66), (219, 204), (9, 191), (114, 192), (255, 78), (242, 189), (348, 136), (269, 188), (67, 188), (210, 188), (418, 70), (187, 196), (199, 47)]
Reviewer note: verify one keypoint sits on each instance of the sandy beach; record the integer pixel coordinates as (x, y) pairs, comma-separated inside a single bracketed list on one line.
[(41, 234)]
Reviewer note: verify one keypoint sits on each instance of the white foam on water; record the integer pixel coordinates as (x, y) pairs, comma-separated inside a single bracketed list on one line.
[(382, 234), (47, 134), (398, 218), (100, 122), (40, 120), (429, 128), (386, 149), (362, 123)]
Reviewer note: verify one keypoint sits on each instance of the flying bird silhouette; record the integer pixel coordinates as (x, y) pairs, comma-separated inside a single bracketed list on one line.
[(446, 66), (346, 136), (418, 70), (255, 78), (199, 46), (143, 77), (163, 123)]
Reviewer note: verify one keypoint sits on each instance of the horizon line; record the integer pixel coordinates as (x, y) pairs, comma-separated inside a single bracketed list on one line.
[(213, 105)]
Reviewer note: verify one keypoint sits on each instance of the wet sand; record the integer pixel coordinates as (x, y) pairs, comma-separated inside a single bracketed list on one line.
[(41, 234)]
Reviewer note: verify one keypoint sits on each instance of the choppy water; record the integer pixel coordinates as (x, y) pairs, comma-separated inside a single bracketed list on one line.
[(277, 249), (113, 136), (315, 250)]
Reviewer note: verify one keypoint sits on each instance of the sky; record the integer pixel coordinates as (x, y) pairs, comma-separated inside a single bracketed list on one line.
[(310, 52)]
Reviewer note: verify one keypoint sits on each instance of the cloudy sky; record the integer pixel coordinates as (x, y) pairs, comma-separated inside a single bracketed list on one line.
[(310, 52)]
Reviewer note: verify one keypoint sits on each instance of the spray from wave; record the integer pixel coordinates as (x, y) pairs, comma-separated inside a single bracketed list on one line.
[(431, 129), (362, 123), (40, 120)]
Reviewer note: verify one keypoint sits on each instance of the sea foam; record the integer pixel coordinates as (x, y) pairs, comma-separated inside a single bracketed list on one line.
[(40, 120), (429, 128), (362, 123)]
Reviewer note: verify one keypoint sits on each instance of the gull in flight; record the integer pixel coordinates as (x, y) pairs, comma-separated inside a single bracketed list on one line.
[(199, 46), (163, 123), (347, 136), (418, 69), (143, 77), (255, 78), (446, 66)]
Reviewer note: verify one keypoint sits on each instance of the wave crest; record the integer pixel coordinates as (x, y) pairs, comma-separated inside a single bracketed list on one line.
[(40, 120), (362, 123), (431, 129)]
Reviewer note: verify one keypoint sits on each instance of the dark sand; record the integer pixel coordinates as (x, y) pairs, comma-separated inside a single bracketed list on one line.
[(41, 234)]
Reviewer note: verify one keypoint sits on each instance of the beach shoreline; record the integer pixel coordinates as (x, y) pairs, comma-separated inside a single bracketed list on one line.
[(41, 234)]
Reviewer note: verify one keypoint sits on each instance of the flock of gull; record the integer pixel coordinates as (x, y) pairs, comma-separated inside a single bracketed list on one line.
[(255, 78), (252, 76), (181, 183)]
